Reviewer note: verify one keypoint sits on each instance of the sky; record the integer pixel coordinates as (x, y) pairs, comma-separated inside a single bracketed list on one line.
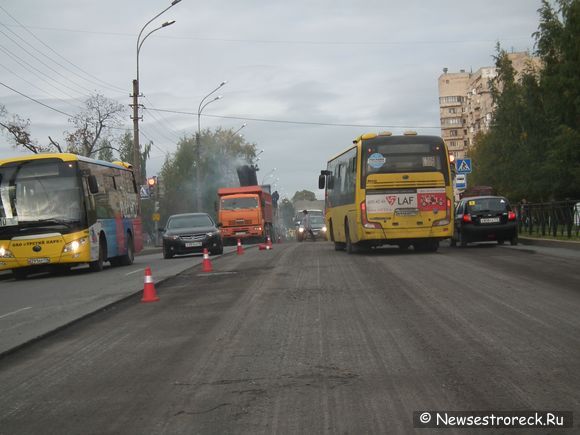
[(307, 77)]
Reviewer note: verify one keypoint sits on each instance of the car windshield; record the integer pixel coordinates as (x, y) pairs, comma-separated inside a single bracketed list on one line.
[(191, 221), (316, 220), (492, 205)]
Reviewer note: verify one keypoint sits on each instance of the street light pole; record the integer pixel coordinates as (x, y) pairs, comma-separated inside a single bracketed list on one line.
[(198, 142), (136, 145)]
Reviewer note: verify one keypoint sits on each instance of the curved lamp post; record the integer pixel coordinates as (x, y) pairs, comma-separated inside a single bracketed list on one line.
[(202, 105), (136, 146)]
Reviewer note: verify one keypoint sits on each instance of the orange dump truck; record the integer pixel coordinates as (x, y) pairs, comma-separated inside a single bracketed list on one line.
[(245, 213)]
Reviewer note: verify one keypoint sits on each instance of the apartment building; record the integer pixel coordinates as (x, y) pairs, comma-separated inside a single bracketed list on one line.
[(465, 103)]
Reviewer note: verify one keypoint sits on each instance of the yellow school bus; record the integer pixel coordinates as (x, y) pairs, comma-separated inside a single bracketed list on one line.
[(61, 210), (389, 190)]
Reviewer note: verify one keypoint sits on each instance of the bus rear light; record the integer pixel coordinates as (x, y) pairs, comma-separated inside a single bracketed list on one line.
[(447, 219), (466, 218), (365, 222), (511, 216)]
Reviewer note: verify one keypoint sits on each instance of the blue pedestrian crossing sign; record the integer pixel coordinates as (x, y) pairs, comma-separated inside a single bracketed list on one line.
[(463, 166)]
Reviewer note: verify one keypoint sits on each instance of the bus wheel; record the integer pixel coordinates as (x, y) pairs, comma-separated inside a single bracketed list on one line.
[(350, 247), (129, 257), (97, 265)]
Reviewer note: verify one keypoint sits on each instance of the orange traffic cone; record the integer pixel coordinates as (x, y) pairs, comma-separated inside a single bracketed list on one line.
[(149, 293), (262, 246), (240, 247), (268, 243), (206, 262)]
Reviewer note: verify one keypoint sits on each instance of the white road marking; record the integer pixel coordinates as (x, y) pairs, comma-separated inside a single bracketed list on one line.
[(135, 271), (14, 312)]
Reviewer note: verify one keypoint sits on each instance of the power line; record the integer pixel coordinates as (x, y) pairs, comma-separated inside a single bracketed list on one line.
[(36, 101), (110, 86), (21, 61), (48, 66), (34, 86), (300, 42), (283, 121)]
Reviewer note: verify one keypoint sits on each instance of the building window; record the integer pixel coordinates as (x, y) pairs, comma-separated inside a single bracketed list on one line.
[(452, 110), (453, 133)]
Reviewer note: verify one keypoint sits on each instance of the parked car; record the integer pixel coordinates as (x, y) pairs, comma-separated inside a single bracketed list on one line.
[(484, 219), (189, 233), (318, 229)]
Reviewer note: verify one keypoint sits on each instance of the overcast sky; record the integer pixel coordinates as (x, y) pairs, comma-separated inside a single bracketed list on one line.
[(372, 64)]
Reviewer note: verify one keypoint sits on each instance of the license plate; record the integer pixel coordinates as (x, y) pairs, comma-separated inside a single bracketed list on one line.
[(489, 220), (240, 233), (42, 260), (192, 244)]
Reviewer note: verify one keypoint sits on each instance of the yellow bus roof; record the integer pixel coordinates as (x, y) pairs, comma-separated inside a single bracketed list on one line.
[(65, 157)]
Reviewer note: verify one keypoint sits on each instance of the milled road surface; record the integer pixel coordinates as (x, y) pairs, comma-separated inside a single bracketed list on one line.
[(303, 339)]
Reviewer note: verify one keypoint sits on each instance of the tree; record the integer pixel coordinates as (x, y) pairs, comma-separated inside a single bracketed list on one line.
[(532, 148), (304, 195), (221, 152), (94, 123), (287, 213)]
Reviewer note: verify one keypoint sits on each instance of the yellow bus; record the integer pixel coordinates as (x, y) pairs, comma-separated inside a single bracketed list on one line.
[(61, 210), (389, 190)]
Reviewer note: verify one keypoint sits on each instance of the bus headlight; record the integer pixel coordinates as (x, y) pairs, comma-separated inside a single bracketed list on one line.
[(75, 245), (323, 229), (5, 253)]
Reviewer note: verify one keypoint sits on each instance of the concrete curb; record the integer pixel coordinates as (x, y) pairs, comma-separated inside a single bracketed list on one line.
[(565, 244)]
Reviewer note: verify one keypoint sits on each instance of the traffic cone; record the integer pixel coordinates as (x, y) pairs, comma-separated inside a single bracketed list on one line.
[(206, 262), (268, 243), (262, 246), (149, 293), (240, 247)]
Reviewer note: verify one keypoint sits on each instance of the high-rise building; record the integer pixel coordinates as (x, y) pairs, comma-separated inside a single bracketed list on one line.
[(465, 103)]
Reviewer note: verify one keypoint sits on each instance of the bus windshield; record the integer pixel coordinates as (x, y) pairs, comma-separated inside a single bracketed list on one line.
[(386, 158), (40, 191)]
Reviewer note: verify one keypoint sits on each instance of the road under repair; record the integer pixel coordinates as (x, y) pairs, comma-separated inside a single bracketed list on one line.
[(303, 339)]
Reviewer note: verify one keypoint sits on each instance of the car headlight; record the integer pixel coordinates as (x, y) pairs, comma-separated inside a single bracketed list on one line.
[(213, 233), (5, 253), (171, 237), (75, 245), (323, 229), (301, 229)]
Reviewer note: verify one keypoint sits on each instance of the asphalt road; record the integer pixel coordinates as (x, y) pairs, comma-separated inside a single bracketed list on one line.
[(44, 302), (303, 339)]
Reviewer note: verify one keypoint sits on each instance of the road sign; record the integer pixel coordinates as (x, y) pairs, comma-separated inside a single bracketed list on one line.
[(144, 191), (463, 166), (461, 181), (156, 217)]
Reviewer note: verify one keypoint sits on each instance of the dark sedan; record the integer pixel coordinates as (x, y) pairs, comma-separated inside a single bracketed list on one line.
[(484, 219), (190, 233)]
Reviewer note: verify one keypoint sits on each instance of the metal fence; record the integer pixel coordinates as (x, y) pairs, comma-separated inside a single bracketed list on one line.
[(560, 218)]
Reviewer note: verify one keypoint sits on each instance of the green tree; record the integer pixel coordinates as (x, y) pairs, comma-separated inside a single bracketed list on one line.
[(220, 153)]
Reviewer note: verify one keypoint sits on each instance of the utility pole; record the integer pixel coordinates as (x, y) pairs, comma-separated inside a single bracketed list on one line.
[(136, 147)]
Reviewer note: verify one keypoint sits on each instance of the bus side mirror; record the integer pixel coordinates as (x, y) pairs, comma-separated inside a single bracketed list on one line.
[(321, 181), (93, 185)]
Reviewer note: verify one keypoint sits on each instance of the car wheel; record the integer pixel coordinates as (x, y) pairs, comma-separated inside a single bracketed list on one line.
[(500, 242), (97, 265), (462, 241), (453, 242), (514, 241), (167, 253)]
